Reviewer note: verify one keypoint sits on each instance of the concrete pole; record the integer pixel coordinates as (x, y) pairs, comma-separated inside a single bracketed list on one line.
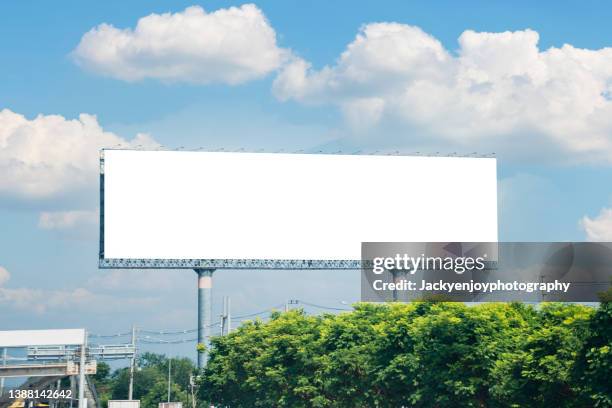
[(82, 374), (169, 377), (58, 387), (398, 276), (228, 316), (223, 318), (2, 378), (132, 364), (192, 386), (72, 390), (204, 311), (226, 319)]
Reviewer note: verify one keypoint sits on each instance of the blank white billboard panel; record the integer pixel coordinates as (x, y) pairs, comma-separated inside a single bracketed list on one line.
[(219, 205), (24, 338)]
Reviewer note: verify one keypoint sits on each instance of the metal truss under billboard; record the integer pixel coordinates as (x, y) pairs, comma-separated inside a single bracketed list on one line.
[(226, 264), (235, 210)]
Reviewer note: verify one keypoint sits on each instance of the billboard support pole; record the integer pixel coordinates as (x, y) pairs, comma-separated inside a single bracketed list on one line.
[(204, 312)]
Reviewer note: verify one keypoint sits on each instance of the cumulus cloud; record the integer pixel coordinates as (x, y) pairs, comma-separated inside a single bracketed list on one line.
[(73, 224), (50, 154), (141, 280), (4, 275), (88, 298), (499, 90), (42, 301), (232, 45), (66, 219), (598, 229), (38, 300), (21, 298)]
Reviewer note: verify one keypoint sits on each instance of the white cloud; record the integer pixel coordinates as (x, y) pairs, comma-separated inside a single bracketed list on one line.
[(498, 91), (66, 219), (79, 225), (4, 275), (381, 57), (142, 280), (91, 298), (598, 229), (231, 45), (50, 154), (42, 301), (38, 300)]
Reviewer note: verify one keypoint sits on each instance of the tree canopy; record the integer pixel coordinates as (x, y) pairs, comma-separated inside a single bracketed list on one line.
[(417, 355), (150, 381), (422, 354)]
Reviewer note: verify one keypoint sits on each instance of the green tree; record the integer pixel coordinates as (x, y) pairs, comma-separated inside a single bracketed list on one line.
[(150, 380), (144, 379), (422, 354), (103, 382), (159, 393), (264, 365), (539, 372), (594, 365)]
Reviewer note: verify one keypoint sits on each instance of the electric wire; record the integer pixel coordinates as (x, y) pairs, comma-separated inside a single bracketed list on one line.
[(323, 307), (258, 313), (237, 319)]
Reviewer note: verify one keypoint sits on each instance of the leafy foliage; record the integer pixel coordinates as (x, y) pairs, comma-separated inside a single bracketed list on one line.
[(421, 354), (594, 366), (150, 381)]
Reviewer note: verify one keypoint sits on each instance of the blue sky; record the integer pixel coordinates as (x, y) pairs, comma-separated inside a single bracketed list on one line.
[(554, 168)]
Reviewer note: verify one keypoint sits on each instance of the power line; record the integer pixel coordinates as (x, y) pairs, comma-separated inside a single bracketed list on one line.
[(174, 332), (239, 318), (161, 341), (165, 332), (259, 313), (109, 335), (324, 307)]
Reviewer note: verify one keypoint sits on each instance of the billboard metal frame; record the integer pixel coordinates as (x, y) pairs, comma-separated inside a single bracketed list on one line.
[(128, 263)]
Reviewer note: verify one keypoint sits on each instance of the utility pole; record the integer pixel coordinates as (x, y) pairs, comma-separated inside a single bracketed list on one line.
[(132, 364), (229, 315), (226, 319), (223, 318), (72, 390), (192, 386), (2, 378), (58, 387), (82, 402), (169, 376)]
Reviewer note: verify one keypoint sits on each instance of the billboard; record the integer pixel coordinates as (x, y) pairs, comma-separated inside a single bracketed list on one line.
[(24, 338), (190, 209)]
